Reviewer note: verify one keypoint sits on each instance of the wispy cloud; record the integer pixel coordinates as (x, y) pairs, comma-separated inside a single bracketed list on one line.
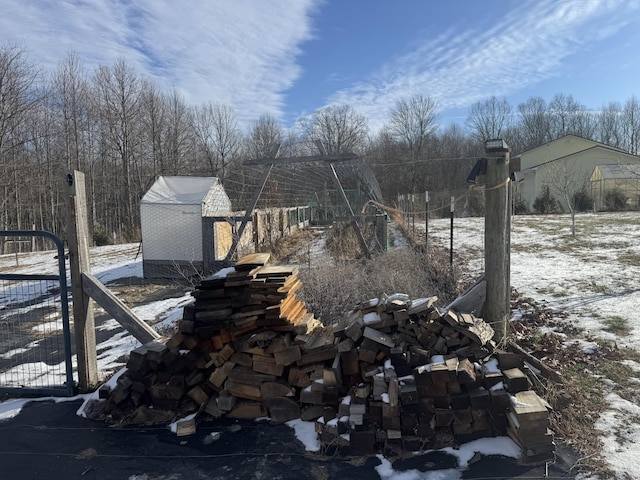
[(528, 44), (242, 53)]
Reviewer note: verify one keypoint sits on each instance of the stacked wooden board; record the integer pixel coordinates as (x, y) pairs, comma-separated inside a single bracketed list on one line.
[(392, 373), (529, 427)]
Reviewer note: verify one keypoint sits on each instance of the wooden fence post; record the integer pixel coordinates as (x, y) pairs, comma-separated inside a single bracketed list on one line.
[(83, 321), (497, 227), (452, 208), (426, 222)]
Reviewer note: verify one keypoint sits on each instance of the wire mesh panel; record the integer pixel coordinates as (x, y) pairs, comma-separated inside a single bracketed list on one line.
[(35, 346), (310, 184)]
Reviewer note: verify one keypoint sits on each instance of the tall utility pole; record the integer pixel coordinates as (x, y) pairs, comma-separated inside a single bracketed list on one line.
[(497, 229)]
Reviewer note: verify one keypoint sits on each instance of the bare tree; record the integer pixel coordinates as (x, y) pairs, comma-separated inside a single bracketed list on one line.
[(154, 118), (338, 128), (382, 155), (412, 120), (70, 93), (534, 122), (569, 117), (19, 98), (177, 132), (631, 125), (610, 125), (488, 119), (561, 109), (567, 182), (265, 137), (118, 101), (218, 136)]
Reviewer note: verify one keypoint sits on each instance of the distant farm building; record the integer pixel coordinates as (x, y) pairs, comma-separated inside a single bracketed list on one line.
[(571, 157), (177, 234), (621, 179)]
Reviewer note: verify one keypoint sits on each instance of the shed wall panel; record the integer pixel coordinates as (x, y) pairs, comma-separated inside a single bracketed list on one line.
[(171, 232)]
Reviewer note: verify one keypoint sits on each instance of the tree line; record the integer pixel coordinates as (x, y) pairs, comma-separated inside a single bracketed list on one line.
[(122, 131)]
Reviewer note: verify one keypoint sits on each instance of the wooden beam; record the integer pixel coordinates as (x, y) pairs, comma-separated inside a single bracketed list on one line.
[(339, 157), (546, 371), (83, 320), (118, 310)]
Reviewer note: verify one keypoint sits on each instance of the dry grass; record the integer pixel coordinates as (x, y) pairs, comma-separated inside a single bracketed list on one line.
[(290, 244), (331, 290), (580, 398)]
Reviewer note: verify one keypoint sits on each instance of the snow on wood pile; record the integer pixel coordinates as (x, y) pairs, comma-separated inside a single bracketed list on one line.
[(392, 373)]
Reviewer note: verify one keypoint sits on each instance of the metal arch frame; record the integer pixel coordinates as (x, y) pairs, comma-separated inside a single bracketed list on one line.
[(268, 164)]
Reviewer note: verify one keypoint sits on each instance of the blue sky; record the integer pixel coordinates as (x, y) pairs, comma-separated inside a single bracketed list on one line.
[(292, 57)]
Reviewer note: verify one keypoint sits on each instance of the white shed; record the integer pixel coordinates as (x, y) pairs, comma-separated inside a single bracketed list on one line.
[(176, 238)]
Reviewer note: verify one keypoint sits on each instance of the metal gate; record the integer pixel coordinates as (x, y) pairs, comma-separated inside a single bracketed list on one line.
[(35, 338)]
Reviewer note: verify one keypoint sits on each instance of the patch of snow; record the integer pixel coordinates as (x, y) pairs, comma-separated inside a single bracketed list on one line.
[(486, 446), (222, 273), (306, 433), (387, 472), (545, 330), (621, 436), (437, 359), (111, 383), (12, 407), (491, 366), (371, 317), (585, 346), (632, 364)]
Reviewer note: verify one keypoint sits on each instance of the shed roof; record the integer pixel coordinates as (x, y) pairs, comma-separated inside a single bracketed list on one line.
[(181, 190), (616, 172)]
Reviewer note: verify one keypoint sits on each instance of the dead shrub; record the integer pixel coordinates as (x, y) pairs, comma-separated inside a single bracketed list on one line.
[(342, 242), (329, 291), (289, 244)]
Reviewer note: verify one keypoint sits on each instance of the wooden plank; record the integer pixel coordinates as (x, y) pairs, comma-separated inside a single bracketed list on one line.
[(276, 389), (243, 390), (118, 310), (252, 260), (515, 380), (378, 337), (528, 406), (248, 410), (288, 356), (282, 409), (277, 271)]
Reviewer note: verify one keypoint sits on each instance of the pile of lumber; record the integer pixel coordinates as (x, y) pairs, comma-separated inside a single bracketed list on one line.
[(392, 373), (529, 427)]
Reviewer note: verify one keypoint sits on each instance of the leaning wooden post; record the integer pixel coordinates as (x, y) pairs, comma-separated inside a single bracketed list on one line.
[(83, 321), (497, 227)]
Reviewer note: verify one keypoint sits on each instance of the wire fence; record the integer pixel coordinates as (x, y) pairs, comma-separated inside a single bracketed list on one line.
[(35, 347)]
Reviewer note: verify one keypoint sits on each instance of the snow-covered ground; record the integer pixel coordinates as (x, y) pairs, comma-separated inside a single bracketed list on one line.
[(594, 277)]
